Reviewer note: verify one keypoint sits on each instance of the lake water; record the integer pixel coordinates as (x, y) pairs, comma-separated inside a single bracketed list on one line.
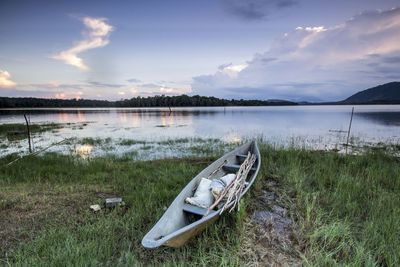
[(318, 127)]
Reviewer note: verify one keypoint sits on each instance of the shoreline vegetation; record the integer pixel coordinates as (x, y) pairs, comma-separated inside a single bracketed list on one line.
[(151, 101), (344, 209), (167, 102), (385, 94), (49, 137), (5, 128)]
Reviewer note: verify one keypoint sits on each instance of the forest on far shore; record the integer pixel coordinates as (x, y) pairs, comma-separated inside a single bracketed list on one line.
[(150, 101)]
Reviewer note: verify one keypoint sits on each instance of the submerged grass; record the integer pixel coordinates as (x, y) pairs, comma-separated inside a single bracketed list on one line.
[(346, 209), (94, 141), (191, 141), (131, 142), (34, 128)]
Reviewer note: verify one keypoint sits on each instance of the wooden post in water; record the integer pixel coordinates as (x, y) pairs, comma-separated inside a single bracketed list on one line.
[(29, 133), (348, 132)]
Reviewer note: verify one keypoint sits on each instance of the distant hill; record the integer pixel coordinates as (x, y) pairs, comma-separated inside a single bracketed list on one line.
[(388, 93)]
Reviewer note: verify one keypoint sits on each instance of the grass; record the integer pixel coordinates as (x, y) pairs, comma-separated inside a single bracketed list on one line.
[(170, 142), (131, 142), (191, 141), (34, 128), (346, 209), (108, 237), (94, 141)]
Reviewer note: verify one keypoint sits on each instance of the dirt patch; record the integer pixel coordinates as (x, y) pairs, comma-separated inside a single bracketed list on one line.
[(270, 234), (26, 212)]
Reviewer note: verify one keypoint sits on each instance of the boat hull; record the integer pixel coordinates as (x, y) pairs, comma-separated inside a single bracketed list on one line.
[(180, 240)]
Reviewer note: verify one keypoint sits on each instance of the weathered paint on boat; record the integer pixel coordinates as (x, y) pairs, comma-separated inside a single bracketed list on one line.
[(181, 239), (174, 228)]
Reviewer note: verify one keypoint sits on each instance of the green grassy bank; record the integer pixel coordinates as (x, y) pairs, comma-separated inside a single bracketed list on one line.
[(346, 209)]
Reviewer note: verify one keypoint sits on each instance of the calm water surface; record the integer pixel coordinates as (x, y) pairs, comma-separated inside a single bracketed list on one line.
[(317, 126)]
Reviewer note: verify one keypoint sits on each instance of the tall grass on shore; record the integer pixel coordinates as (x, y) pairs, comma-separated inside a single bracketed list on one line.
[(346, 209)]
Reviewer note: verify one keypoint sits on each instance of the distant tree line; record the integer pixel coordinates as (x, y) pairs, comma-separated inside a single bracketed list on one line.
[(151, 101), (193, 101)]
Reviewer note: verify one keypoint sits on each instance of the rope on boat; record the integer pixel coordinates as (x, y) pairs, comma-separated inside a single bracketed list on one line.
[(237, 184), (235, 192)]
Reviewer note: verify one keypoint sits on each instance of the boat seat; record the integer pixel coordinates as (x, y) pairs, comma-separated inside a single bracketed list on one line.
[(195, 210), (234, 168), (241, 157)]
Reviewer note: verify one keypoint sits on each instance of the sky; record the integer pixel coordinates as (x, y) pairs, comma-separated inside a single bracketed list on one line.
[(311, 50)]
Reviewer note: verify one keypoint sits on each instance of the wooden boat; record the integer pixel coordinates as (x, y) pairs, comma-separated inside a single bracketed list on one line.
[(182, 221)]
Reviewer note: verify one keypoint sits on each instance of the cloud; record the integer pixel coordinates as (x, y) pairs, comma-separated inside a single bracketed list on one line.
[(165, 89), (51, 89), (134, 80), (51, 86), (285, 3), (41, 93), (94, 89), (69, 95), (393, 60), (97, 36), (148, 89), (105, 85), (316, 62), (149, 85), (231, 70), (5, 81), (254, 9)]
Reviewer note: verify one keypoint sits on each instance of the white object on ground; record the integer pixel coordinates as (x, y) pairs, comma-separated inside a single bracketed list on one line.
[(95, 207), (202, 197)]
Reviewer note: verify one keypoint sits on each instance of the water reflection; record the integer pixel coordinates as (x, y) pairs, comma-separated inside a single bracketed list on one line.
[(63, 117), (81, 116), (152, 111), (232, 137), (135, 120), (384, 118), (165, 119), (83, 150), (230, 124), (123, 116)]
